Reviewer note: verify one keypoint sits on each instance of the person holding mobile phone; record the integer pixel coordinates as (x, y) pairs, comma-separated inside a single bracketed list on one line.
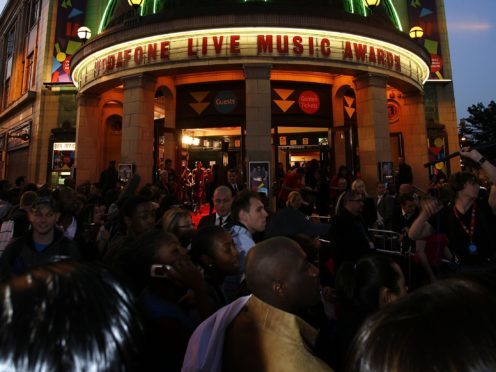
[(172, 295), (214, 250)]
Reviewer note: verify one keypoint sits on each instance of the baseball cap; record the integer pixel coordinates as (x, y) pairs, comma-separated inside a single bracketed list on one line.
[(45, 200)]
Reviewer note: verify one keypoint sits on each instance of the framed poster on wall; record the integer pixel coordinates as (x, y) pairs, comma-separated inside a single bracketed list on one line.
[(385, 170), (126, 172), (259, 176)]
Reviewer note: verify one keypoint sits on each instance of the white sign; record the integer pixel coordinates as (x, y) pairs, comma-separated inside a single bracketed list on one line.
[(64, 146), (232, 45)]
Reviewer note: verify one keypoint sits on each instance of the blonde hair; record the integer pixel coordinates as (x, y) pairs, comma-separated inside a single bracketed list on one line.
[(354, 186), (172, 217), (292, 195)]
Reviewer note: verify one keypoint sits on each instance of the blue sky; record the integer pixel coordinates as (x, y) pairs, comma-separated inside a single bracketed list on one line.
[(472, 36), (471, 30)]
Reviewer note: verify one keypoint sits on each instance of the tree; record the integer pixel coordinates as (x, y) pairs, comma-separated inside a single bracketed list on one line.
[(480, 128)]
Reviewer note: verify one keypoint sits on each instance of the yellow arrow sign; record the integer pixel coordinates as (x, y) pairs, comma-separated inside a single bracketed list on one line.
[(284, 105), (350, 111), (349, 101), (199, 96), (284, 93), (199, 107)]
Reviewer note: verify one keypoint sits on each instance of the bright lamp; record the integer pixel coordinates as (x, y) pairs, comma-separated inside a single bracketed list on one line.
[(372, 4), (416, 32), (135, 3), (84, 33)]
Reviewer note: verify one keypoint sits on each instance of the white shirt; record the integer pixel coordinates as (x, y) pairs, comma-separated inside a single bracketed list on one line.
[(218, 217)]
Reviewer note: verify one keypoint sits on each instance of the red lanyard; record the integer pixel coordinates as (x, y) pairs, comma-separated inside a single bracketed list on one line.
[(469, 231)]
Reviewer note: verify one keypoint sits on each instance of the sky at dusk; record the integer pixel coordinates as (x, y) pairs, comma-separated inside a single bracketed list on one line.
[(471, 30), (472, 37)]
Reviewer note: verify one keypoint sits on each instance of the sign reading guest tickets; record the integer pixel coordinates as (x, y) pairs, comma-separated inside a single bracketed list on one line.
[(250, 45)]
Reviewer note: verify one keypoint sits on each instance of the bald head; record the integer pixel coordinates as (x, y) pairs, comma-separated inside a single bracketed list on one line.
[(223, 200), (278, 273)]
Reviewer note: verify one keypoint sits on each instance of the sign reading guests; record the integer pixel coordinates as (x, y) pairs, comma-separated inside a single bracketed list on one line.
[(225, 101), (231, 45), (212, 104)]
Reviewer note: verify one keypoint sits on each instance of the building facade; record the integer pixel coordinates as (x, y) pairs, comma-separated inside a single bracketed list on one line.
[(240, 84)]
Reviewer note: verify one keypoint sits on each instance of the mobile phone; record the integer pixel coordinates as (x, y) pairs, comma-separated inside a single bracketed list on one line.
[(160, 271)]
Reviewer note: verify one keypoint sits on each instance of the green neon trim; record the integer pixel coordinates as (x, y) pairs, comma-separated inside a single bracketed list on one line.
[(142, 11), (154, 6), (352, 7), (364, 8), (105, 15), (396, 18)]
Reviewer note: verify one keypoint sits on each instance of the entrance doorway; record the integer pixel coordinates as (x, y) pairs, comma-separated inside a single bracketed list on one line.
[(211, 146), (300, 145), (344, 144)]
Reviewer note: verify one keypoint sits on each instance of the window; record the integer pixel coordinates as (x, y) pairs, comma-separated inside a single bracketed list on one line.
[(5, 95), (10, 42), (33, 11), (28, 73)]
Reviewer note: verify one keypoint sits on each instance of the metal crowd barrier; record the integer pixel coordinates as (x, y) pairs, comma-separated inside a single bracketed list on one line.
[(388, 242)]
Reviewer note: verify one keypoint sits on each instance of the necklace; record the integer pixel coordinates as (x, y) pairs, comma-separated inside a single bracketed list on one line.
[(472, 248)]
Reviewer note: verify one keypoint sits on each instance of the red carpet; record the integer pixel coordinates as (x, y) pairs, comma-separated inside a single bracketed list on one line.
[(204, 209)]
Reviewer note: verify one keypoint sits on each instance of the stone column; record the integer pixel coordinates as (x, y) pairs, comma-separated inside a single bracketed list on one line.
[(87, 139), (258, 113), (373, 131), (415, 138), (137, 125)]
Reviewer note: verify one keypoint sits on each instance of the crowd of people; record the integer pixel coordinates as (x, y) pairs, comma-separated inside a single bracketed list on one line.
[(102, 277)]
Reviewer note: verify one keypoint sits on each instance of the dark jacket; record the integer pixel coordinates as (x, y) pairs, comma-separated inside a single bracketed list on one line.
[(210, 219), (349, 237), (386, 209), (21, 254), (234, 191), (21, 222)]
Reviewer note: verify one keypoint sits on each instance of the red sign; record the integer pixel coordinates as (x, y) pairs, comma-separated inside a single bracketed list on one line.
[(66, 65), (437, 63), (309, 102)]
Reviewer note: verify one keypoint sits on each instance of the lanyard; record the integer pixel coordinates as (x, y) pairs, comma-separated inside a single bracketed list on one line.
[(468, 230)]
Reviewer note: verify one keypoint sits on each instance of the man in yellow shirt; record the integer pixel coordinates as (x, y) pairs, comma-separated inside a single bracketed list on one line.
[(268, 334)]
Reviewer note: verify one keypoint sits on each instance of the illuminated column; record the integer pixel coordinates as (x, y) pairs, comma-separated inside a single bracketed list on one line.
[(87, 156), (258, 113), (415, 138), (137, 125), (373, 132)]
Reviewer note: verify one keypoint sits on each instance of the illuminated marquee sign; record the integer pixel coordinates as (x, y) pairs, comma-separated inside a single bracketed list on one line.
[(250, 45)]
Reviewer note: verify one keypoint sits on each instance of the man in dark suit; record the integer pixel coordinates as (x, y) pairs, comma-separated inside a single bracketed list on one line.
[(404, 215), (348, 233), (385, 207), (232, 182), (222, 203)]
